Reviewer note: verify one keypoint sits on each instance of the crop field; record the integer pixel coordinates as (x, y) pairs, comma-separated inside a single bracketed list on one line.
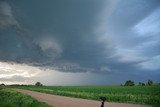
[(11, 98), (126, 94)]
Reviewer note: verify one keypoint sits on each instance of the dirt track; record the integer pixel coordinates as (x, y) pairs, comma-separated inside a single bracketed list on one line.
[(61, 101)]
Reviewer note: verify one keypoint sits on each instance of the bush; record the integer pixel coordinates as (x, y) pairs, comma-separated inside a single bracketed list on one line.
[(38, 84), (150, 82), (129, 83), (141, 84)]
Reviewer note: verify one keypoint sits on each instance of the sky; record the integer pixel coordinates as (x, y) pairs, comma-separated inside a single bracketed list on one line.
[(79, 42)]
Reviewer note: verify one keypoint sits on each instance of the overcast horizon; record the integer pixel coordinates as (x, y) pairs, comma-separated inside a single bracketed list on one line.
[(79, 42)]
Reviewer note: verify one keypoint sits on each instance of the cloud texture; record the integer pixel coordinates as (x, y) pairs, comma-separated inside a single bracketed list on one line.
[(103, 37)]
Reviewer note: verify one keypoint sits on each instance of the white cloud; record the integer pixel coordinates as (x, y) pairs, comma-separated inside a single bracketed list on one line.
[(12, 72)]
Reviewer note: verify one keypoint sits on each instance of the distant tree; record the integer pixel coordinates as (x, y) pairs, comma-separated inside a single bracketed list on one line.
[(150, 82), (141, 84), (129, 83), (38, 84), (2, 84)]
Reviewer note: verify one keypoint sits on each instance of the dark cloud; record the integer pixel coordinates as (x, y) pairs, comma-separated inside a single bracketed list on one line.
[(68, 37), (6, 17), (79, 36)]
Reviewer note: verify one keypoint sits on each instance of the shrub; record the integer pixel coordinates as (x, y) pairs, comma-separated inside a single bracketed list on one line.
[(150, 82), (38, 84), (129, 83)]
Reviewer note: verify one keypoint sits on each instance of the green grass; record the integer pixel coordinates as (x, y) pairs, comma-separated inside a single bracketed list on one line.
[(135, 94), (10, 98)]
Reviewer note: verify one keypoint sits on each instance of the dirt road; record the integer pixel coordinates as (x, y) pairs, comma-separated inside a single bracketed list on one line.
[(61, 101)]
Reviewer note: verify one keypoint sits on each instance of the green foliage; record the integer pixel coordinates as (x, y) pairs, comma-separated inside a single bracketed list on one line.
[(141, 84), (135, 94), (10, 98), (2, 84), (150, 82), (38, 84), (129, 83)]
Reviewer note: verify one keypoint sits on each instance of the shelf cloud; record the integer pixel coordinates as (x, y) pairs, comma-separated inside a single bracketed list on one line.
[(105, 38)]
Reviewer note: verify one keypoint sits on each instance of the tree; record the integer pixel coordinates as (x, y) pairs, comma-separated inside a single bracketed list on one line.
[(129, 83), (150, 82), (38, 84), (2, 84), (141, 84)]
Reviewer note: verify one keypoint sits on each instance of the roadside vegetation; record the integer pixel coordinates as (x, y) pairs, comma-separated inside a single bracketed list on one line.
[(139, 94), (11, 98)]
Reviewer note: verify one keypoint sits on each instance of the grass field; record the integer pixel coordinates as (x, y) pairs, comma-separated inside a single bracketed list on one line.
[(135, 94), (10, 98)]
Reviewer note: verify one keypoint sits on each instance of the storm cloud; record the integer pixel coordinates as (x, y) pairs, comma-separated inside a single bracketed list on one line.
[(98, 36)]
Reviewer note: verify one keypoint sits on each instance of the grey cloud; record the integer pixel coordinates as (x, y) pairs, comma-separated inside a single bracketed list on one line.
[(75, 38), (63, 35), (7, 18), (151, 64), (50, 47), (126, 15)]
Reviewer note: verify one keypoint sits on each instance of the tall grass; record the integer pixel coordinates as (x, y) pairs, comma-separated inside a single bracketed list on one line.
[(10, 98)]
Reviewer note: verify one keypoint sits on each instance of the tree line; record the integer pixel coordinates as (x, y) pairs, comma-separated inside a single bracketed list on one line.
[(132, 83)]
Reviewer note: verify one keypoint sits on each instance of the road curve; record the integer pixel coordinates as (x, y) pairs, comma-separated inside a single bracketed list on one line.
[(62, 101)]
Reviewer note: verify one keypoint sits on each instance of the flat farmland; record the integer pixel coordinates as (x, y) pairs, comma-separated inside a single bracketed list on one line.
[(149, 95)]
